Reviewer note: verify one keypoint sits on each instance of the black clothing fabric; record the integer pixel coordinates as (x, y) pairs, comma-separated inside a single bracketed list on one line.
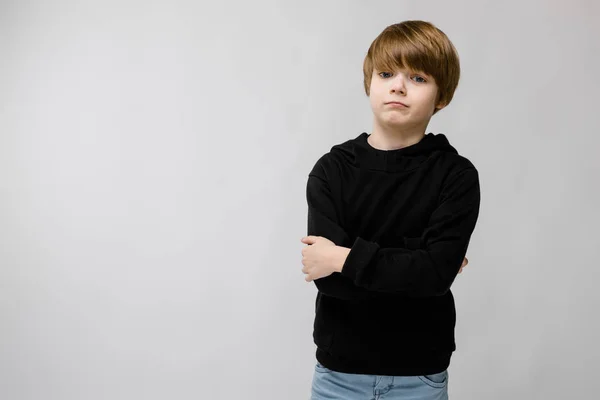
[(407, 215)]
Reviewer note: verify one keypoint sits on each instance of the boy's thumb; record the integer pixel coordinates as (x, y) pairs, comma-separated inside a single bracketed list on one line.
[(306, 239)]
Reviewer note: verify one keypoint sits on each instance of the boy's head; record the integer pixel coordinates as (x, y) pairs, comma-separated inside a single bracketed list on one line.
[(414, 63)]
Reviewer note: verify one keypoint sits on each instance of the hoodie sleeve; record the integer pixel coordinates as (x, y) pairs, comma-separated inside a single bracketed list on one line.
[(430, 270), (323, 221)]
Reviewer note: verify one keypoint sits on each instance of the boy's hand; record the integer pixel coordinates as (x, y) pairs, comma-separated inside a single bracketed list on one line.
[(464, 264), (319, 258)]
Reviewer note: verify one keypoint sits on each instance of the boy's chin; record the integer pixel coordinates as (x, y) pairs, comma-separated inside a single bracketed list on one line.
[(398, 122)]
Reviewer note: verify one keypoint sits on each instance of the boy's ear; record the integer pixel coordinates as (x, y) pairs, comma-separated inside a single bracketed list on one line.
[(440, 105)]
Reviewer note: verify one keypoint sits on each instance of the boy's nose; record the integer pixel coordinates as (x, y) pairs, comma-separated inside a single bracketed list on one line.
[(398, 86), (398, 89)]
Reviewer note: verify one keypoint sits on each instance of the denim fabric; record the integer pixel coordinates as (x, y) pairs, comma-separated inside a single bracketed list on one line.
[(333, 385)]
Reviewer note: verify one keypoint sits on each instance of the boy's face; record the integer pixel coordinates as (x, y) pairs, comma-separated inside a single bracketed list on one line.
[(417, 91)]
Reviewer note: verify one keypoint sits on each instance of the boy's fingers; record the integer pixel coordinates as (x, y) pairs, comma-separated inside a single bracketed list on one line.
[(464, 264)]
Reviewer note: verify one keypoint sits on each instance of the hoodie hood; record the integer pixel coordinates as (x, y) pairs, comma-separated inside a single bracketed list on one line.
[(359, 152)]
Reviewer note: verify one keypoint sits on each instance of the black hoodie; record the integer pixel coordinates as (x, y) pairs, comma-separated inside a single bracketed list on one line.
[(407, 215)]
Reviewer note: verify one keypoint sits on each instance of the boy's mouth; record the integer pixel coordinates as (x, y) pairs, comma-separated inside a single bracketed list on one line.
[(396, 104)]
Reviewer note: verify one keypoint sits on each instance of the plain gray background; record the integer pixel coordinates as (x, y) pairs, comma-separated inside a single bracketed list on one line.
[(153, 163)]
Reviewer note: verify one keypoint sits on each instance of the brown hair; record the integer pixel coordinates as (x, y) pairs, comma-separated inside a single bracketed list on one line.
[(418, 46)]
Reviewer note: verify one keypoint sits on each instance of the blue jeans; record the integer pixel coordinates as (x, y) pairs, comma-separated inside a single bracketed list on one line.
[(333, 385)]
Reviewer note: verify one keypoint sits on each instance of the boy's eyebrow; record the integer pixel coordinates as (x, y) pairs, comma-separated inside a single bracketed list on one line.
[(411, 70)]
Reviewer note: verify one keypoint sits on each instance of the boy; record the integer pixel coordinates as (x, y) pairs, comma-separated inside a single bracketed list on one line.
[(390, 217)]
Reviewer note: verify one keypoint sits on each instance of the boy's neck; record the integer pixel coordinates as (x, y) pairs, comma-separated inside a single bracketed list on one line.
[(393, 138)]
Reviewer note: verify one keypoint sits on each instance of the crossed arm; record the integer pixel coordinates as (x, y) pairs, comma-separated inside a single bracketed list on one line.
[(425, 266)]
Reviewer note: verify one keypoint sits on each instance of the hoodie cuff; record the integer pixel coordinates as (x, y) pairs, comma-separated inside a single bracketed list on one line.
[(361, 254)]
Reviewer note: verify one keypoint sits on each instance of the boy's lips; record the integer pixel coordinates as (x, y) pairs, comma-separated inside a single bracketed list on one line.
[(396, 104)]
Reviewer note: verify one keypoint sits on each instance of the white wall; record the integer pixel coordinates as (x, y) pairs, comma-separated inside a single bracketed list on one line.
[(153, 162)]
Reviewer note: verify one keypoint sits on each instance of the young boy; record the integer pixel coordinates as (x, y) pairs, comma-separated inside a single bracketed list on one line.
[(390, 217)]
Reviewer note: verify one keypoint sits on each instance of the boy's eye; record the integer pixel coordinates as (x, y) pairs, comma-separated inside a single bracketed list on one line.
[(417, 78)]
